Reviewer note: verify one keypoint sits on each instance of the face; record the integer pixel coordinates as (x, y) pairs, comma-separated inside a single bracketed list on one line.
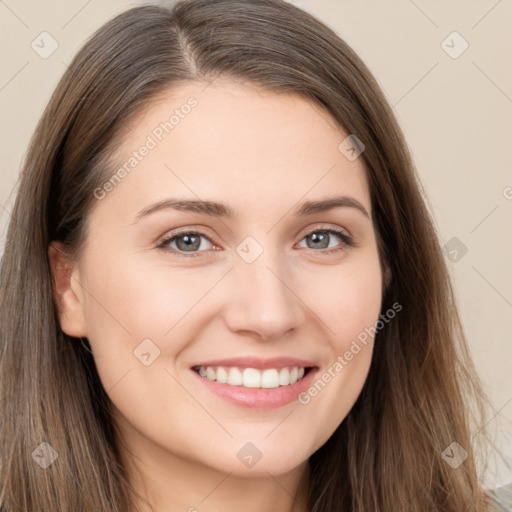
[(223, 334)]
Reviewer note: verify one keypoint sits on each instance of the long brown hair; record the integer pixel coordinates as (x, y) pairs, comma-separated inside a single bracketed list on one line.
[(422, 392)]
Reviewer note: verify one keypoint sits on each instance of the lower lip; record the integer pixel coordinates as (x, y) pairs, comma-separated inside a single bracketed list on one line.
[(261, 398)]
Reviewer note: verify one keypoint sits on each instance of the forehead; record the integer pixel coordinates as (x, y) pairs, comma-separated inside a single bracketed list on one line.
[(234, 143)]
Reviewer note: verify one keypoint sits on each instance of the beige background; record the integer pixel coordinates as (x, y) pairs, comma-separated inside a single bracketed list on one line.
[(456, 114)]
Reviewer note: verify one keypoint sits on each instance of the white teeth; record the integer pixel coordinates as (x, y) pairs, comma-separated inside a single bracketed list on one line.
[(252, 377), (270, 378), (284, 377), (222, 375), (234, 377)]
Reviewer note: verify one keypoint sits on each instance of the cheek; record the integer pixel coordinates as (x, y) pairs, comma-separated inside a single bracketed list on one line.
[(354, 319), (129, 299), (135, 307), (347, 298), (133, 319), (357, 307), (350, 308)]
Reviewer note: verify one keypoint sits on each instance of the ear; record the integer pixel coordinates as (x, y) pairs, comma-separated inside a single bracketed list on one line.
[(67, 291)]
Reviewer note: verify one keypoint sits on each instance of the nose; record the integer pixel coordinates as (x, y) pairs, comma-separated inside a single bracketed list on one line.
[(262, 301)]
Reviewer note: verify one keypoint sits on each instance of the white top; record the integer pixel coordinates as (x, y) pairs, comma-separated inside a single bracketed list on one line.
[(502, 498)]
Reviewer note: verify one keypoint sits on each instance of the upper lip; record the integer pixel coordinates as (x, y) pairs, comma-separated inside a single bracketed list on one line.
[(258, 363)]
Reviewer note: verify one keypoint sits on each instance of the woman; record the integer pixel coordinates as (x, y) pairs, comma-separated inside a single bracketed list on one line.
[(172, 337)]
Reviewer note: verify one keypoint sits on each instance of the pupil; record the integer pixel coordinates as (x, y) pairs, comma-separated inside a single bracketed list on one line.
[(188, 242), (319, 237)]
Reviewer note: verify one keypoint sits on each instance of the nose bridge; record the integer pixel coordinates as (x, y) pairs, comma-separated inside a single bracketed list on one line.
[(265, 301)]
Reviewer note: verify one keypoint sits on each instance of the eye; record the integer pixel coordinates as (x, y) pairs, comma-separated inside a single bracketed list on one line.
[(191, 242), (185, 241), (320, 239)]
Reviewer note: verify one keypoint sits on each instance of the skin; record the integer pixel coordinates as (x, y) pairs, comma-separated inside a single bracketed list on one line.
[(263, 154)]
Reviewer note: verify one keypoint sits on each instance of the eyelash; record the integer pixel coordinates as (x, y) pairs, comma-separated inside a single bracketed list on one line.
[(347, 242)]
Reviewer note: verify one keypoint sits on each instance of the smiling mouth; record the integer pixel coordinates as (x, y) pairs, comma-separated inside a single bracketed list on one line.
[(252, 377)]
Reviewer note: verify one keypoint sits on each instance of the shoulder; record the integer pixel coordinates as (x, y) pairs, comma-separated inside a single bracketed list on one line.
[(501, 498)]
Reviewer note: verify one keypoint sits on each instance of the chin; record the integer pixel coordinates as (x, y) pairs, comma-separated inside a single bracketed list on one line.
[(258, 459)]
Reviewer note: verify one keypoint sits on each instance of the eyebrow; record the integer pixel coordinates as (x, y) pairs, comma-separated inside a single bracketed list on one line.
[(215, 209)]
